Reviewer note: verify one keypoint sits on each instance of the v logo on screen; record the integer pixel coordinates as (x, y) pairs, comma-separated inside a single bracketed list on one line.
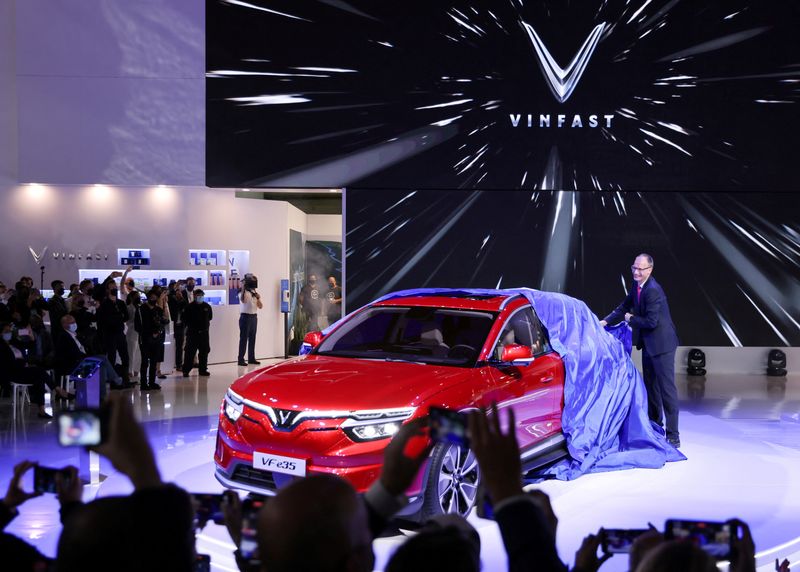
[(562, 82)]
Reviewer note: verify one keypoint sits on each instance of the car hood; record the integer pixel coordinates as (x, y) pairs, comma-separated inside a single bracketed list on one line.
[(346, 384)]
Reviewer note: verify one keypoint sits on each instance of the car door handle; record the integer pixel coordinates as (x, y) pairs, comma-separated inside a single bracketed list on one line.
[(547, 379)]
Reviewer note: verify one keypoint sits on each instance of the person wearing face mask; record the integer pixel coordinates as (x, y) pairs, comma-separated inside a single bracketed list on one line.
[(250, 304), (151, 322), (57, 307), (5, 294), (111, 317), (197, 316), (133, 301), (42, 350), (14, 368), (177, 303), (311, 302), (190, 284), (71, 350), (334, 300)]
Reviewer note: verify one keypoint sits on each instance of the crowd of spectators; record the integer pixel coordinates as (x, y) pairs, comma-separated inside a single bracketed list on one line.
[(319, 523), (112, 320)]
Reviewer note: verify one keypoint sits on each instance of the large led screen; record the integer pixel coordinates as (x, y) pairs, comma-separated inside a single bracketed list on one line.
[(644, 94), (729, 263)]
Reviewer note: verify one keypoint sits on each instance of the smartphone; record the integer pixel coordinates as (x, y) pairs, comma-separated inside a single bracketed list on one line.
[(44, 479), (251, 506), (619, 540), (713, 537), (202, 563), (208, 508), (448, 426), (82, 427)]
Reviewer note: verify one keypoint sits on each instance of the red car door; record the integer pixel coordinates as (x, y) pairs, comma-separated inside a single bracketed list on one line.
[(533, 390)]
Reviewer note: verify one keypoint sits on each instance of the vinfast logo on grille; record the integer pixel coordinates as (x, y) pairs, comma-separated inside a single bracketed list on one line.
[(285, 418), (562, 82)]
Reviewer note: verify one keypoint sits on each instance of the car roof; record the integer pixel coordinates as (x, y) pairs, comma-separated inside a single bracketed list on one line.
[(461, 301)]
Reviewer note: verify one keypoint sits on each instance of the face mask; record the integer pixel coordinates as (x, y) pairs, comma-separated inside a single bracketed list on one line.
[(7, 336), (23, 332), (151, 301), (73, 328), (199, 299), (190, 287)]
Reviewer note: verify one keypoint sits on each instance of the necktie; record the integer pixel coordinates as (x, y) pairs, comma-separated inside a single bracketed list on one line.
[(638, 293)]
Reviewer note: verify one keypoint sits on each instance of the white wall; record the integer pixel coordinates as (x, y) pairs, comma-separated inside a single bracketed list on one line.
[(169, 221), (324, 227)]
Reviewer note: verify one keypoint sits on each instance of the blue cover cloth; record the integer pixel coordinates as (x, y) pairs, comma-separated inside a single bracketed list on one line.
[(605, 418)]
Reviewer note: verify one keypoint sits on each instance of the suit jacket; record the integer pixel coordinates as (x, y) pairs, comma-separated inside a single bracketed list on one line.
[(68, 354), (653, 330)]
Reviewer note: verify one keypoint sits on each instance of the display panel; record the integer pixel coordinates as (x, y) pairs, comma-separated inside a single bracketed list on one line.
[(655, 95), (729, 263)]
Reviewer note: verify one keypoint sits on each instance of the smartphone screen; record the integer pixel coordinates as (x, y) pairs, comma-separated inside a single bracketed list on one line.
[(208, 508), (44, 479), (448, 426), (81, 427), (251, 506), (619, 541), (713, 537)]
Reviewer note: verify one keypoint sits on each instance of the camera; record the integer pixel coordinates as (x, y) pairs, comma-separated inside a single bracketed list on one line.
[(44, 479), (448, 426), (713, 537), (82, 427), (208, 507)]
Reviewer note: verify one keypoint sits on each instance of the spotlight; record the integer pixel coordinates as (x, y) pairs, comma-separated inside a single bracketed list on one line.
[(776, 363), (696, 362)]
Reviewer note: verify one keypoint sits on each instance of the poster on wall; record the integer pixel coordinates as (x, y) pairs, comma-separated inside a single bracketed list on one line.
[(729, 263), (655, 95)]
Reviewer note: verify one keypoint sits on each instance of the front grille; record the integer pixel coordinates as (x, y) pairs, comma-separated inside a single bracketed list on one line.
[(249, 476)]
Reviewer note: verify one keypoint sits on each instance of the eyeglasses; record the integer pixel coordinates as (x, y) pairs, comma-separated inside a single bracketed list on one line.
[(635, 268)]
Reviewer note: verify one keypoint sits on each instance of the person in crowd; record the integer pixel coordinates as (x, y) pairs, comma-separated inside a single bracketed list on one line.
[(333, 300), (19, 305), (133, 301), (311, 302), (14, 368), (197, 317), (57, 307), (151, 339), (73, 289), (645, 308), (164, 305), (70, 351), (446, 542), (86, 321), (5, 294), (177, 303), (111, 317), (42, 349), (249, 305), (190, 284), (161, 513), (16, 553), (27, 281)]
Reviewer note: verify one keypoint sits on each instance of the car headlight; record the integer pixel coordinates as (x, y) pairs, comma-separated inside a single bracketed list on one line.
[(372, 432), (232, 406), (374, 424)]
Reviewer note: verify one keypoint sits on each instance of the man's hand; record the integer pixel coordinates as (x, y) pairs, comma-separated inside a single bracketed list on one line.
[(70, 489), (497, 453), (232, 512), (586, 559), (127, 447), (399, 469), (15, 496), (603, 323), (116, 274), (628, 316), (743, 558)]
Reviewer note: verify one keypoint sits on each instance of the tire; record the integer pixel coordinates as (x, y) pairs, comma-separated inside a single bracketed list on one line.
[(452, 482)]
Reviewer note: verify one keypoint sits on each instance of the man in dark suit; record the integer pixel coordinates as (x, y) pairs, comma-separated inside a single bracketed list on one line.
[(646, 310)]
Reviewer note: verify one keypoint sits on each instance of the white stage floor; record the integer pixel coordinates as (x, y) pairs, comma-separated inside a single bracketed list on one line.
[(742, 444)]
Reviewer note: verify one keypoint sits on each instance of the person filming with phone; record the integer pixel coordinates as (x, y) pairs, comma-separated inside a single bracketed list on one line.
[(250, 304)]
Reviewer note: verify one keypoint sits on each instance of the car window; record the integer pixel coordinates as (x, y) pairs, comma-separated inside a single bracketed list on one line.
[(428, 335), (523, 328)]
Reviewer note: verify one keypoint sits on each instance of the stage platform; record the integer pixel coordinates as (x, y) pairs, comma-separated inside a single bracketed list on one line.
[(742, 440)]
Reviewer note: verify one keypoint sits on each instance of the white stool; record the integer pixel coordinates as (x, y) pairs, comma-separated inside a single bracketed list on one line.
[(19, 396)]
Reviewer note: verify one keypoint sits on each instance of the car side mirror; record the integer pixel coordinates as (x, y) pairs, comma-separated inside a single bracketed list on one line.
[(516, 354), (310, 341)]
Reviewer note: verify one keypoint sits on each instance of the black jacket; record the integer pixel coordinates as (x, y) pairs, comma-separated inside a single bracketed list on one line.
[(68, 354), (197, 317), (111, 316), (150, 322)]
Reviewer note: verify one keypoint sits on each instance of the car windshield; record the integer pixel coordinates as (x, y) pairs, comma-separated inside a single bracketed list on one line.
[(424, 335)]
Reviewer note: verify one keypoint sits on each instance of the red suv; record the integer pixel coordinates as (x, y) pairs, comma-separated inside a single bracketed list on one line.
[(335, 409)]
